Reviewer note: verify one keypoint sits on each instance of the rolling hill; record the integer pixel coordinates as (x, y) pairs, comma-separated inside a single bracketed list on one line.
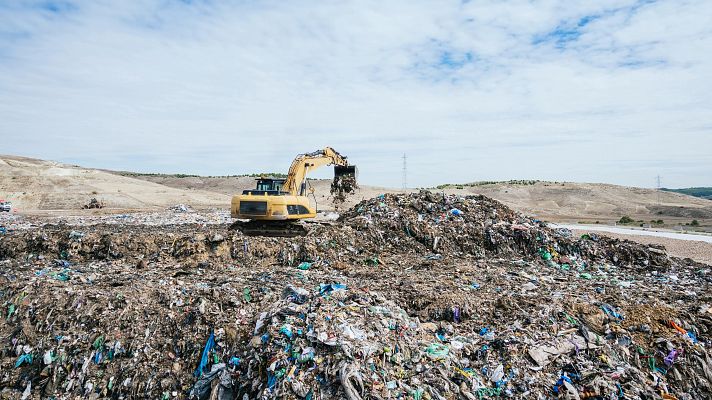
[(38, 185), (44, 186)]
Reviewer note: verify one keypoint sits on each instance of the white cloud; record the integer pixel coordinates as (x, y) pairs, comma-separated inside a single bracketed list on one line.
[(615, 91)]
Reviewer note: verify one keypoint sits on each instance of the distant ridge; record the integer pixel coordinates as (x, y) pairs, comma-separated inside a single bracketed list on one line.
[(701, 192)]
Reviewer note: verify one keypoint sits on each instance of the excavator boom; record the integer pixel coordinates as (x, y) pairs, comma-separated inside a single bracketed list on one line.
[(305, 163)]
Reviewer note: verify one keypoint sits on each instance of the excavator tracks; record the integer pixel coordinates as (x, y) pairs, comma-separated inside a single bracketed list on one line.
[(270, 228)]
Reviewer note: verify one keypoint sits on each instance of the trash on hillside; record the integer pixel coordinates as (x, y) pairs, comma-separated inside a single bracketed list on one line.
[(400, 298)]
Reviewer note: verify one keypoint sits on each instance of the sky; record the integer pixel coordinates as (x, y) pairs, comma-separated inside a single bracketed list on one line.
[(590, 91)]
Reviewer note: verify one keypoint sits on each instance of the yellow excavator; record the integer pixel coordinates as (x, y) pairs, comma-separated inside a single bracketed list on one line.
[(275, 206)]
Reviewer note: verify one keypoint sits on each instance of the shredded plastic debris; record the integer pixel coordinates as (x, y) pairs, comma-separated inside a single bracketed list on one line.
[(402, 297)]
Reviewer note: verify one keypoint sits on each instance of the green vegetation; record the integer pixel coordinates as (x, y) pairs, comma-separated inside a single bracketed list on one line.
[(485, 183), (695, 223), (702, 192), (625, 220), (126, 173), (266, 174)]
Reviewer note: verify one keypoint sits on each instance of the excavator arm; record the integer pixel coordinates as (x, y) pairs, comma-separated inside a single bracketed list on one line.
[(305, 163)]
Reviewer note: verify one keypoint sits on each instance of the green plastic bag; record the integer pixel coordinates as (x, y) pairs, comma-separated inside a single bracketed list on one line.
[(437, 351), (247, 295)]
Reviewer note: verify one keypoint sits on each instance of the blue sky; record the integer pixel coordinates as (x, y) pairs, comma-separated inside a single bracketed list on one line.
[(597, 91)]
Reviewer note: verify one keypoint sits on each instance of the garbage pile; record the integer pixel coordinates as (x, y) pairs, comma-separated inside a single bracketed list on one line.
[(452, 225), (140, 219), (339, 343), (181, 208), (415, 225), (14, 222), (422, 296), (104, 330)]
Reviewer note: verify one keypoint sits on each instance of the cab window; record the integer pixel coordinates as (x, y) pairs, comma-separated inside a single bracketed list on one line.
[(264, 185)]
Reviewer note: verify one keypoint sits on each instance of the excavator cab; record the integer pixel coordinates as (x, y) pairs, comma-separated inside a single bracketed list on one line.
[(267, 187)]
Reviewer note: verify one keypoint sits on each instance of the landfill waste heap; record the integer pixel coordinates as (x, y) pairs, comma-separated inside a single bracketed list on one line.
[(411, 296)]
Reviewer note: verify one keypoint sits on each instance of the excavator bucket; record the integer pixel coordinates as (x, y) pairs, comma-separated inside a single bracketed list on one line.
[(341, 170)]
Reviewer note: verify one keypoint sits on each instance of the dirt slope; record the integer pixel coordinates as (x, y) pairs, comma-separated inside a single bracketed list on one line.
[(231, 185), (36, 185), (45, 185), (568, 201), (592, 201)]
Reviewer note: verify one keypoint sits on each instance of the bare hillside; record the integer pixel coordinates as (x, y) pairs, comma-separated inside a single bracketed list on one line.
[(231, 185), (591, 201), (567, 201), (36, 185)]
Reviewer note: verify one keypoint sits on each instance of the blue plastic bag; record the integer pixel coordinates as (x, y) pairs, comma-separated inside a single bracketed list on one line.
[(209, 345)]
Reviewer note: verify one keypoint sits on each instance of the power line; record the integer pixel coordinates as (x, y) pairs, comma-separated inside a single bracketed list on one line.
[(659, 186), (405, 173)]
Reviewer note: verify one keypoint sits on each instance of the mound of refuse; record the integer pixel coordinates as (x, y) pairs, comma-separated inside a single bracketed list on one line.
[(421, 295), (432, 226), (478, 225), (425, 224)]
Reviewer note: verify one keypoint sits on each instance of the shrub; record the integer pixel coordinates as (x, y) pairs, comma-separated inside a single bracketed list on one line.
[(695, 223), (625, 220)]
